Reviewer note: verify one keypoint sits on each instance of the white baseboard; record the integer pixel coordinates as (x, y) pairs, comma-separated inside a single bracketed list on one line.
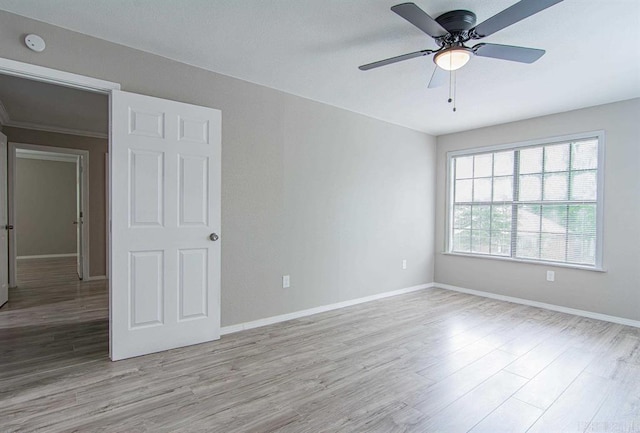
[(303, 313), (47, 256), (561, 309), (96, 278)]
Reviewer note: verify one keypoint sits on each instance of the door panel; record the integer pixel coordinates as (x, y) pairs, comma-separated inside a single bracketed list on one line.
[(4, 220), (194, 191), (165, 202), (79, 222)]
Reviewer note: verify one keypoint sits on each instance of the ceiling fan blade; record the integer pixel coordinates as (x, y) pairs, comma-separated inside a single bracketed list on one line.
[(508, 52), (395, 59), (438, 78), (420, 19), (511, 15)]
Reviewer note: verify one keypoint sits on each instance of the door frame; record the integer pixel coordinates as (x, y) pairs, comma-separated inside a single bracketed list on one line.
[(68, 79), (82, 160)]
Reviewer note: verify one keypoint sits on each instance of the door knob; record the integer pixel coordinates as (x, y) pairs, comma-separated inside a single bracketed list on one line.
[(214, 237), (9, 227)]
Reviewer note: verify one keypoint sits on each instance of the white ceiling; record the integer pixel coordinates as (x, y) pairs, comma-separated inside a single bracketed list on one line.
[(312, 48), (39, 105)]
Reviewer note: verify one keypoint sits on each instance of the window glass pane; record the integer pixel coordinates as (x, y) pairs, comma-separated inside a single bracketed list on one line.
[(556, 157), (482, 165), (529, 218), (503, 163), (530, 187), (501, 218), (531, 160), (582, 219), (482, 189), (481, 217), (554, 219), (553, 247), (462, 241), (584, 155), (556, 186), (464, 167), (463, 190), (581, 249), (501, 243), (503, 188), (462, 217), (583, 185), (480, 241), (528, 245)]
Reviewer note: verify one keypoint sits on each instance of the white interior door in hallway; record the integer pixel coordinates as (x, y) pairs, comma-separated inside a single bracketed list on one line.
[(4, 221), (165, 221)]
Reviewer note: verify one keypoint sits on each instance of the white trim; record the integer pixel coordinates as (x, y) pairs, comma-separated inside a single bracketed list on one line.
[(528, 143), (303, 313), (4, 115), (552, 307), (45, 156), (83, 161), (54, 76), (449, 199), (47, 256), (55, 129), (531, 262), (96, 278)]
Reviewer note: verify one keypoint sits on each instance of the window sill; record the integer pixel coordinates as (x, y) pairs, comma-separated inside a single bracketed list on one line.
[(531, 262)]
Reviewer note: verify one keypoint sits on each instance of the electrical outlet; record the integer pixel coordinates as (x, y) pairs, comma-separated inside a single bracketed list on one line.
[(286, 282), (551, 276), (404, 264)]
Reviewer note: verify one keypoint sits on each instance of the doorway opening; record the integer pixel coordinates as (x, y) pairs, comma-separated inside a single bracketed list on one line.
[(55, 202), (48, 197)]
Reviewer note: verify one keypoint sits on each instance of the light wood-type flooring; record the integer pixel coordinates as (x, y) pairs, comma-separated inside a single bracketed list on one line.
[(39, 272), (429, 361)]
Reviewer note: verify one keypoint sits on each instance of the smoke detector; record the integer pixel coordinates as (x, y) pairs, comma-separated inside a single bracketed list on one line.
[(35, 43)]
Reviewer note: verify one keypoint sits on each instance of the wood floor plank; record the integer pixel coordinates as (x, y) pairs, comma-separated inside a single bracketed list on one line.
[(620, 410), (512, 416), (549, 384), (470, 409), (574, 409)]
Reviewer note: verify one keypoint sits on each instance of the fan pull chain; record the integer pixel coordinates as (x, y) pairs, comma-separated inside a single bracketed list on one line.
[(449, 100), (452, 89)]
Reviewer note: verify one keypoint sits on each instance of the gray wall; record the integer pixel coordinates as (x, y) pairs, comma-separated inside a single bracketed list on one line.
[(45, 199), (614, 292), (333, 198), (97, 148)]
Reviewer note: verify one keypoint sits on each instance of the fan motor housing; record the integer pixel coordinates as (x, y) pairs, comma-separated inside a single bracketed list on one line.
[(457, 21)]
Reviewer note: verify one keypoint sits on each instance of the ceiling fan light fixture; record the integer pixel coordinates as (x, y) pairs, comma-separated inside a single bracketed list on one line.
[(452, 58)]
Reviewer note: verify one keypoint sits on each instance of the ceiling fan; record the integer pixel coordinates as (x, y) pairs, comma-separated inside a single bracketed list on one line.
[(453, 29)]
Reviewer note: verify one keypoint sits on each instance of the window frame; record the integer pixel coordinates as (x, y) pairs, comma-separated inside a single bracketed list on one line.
[(450, 182)]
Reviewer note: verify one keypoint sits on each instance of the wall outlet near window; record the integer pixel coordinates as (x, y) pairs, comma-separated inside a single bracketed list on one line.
[(286, 282), (551, 276), (404, 264)]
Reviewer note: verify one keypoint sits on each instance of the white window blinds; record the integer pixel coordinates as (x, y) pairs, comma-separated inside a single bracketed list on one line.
[(534, 202)]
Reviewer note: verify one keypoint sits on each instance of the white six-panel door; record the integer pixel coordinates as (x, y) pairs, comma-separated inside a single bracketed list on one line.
[(4, 221), (165, 211)]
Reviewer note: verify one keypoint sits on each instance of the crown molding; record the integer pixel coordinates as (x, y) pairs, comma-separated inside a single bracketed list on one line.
[(58, 130), (46, 156)]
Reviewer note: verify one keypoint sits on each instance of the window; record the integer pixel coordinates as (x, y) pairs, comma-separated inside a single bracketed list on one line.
[(533, 201)]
